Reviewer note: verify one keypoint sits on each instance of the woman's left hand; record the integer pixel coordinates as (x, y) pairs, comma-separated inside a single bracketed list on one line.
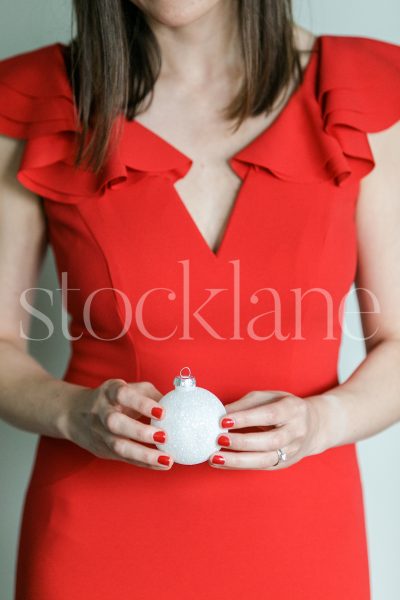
[(286, 421)]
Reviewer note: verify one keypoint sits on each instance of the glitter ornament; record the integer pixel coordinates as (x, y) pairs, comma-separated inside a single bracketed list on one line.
[(191, 421)]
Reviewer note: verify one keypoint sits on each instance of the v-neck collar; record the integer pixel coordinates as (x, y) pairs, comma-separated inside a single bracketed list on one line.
[(177, 164), (169, 156), (145, 150), (318, 137)]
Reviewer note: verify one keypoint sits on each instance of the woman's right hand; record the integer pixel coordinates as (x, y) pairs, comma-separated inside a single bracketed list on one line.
[(105, 423)]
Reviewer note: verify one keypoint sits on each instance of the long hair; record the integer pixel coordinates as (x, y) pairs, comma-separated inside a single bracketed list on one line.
[(114, 60)]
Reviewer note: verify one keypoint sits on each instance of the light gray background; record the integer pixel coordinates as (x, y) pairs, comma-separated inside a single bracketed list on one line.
[(25, 25)]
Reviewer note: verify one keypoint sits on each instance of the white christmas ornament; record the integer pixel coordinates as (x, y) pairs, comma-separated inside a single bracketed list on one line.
[(191, 421)]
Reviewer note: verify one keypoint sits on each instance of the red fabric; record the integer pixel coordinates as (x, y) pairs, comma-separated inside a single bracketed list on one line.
[(99, 529)]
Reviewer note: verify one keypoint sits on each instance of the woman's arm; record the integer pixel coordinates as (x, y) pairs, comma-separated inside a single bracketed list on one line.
[(30, 398), (369, 400), (102, 420)]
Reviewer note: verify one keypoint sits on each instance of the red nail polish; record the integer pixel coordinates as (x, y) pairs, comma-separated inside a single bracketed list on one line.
[(227, 422), (159, 436), (218, 459), (164, 460), (156, 412), (223, 440)]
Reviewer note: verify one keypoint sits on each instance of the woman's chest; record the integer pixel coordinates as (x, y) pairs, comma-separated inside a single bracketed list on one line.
[(138, 251), (210, 188)]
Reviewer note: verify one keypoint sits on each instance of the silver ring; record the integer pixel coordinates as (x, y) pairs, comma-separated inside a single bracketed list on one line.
[(282, 456)]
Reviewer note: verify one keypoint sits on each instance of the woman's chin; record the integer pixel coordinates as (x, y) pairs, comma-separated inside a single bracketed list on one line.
[(175, 13)]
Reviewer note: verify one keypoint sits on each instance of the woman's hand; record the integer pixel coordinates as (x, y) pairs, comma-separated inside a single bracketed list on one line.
[(105, 422), (286, 421)]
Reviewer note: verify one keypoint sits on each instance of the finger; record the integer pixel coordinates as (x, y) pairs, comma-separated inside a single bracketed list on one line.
[(120, 424), (137, 463), (275, 413), (149, 389), (255, 398), (111, 389), (265, 441), (135, 452), (255, 460), (293, 455), (131, 396), (106, 452), (102, 447)]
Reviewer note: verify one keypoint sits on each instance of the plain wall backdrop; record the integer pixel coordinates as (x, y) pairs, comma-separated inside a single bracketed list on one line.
[(26, 25)]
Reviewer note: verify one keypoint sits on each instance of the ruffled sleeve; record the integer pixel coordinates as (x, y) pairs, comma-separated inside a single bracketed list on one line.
[(37, 105), (359, 92), (351, 86)]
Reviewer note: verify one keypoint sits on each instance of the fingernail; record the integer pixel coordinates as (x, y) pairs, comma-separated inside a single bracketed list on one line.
[(223, 440), (156, 412), (159, 436), (218, 459), (226, 422), (164, 460)]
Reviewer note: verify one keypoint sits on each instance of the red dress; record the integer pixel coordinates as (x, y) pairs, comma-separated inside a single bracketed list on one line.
[(98, 529)]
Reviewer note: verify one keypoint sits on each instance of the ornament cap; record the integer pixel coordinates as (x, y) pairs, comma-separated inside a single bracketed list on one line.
[(185, 381)]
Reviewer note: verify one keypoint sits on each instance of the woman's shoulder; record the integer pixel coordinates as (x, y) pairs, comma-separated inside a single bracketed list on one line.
[(36, 105), (32, 56), (351, 88), (352, 44), (33, 69), (34, 91), (359, 81), (358, 89), (353, 61), (346, 53), (359, 57)]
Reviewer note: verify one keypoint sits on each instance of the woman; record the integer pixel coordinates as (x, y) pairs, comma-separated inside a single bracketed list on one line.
[(212, 178)]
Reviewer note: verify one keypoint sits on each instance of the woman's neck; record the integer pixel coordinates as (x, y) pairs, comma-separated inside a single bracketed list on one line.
[(206, 48)]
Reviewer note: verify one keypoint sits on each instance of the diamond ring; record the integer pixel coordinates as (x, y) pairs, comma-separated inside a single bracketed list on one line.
[(282, 456)]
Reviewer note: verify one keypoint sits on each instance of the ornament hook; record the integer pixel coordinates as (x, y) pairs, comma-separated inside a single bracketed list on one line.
[(185, 376)]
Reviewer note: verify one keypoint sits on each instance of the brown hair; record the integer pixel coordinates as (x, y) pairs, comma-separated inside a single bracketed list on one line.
[(114, 61)]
